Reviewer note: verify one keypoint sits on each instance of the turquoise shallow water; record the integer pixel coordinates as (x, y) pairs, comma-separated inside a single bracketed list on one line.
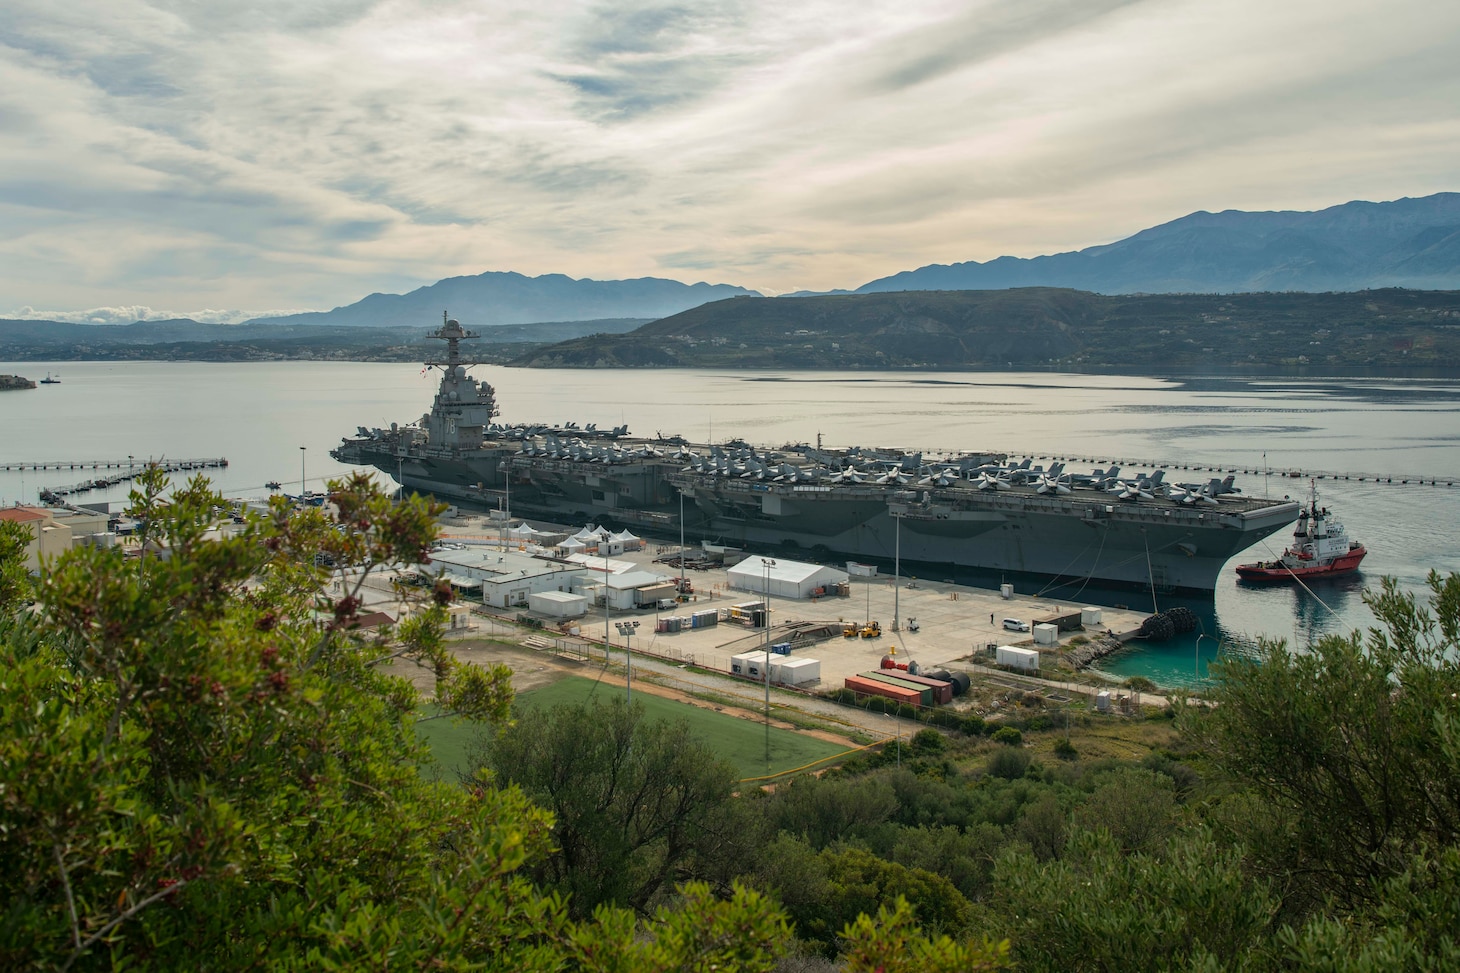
[(259, 414)]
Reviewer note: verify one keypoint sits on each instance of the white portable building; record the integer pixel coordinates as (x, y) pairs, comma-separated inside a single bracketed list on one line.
[(507, 578), (557, 604), (1046, 634), (632, 589), (795, 670), (787, 579), (1016, 658), (1089, 616), (752, 665)]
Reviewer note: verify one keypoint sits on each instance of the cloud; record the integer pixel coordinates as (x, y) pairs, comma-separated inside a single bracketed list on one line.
[(166, 153), (134, 313)]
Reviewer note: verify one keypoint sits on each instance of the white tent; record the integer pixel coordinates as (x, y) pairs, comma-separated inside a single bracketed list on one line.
[(627, 541), (787, 579)]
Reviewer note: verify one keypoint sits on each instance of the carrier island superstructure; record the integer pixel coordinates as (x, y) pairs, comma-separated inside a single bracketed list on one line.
[(969, 511)]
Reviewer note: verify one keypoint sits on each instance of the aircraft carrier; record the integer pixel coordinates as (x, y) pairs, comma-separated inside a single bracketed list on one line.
[(971, 511)]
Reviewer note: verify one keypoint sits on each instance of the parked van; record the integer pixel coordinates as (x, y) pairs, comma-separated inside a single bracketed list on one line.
[(1015, 625)]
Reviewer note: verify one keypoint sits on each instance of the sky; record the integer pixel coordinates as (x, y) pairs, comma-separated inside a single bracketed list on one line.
[(224, 159)]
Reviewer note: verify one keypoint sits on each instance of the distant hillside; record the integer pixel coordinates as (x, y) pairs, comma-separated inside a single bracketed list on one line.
[(1413, 243), (1039, 328), (184, 339), (507, 298)]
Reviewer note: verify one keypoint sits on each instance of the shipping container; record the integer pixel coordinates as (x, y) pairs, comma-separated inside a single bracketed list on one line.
[(925, 693), (871, 687), (942, 688)]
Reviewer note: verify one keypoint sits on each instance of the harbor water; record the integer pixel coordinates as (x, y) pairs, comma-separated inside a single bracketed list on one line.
[(259, 415)]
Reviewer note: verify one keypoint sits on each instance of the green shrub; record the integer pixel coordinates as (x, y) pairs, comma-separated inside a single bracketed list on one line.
[(1065, 750), (1008, 735), (927, 742), (973, 725), (1008, 763), (1140, 684)]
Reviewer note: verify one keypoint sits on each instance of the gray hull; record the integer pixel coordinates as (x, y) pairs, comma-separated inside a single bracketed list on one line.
[(849, 503)]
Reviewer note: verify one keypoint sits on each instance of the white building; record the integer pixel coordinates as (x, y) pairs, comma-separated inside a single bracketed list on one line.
[(507, 577), (788, 579), (635, 589), (557, 604)]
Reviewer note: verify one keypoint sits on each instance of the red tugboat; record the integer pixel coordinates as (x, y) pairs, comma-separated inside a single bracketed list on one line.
[(1320, 549)]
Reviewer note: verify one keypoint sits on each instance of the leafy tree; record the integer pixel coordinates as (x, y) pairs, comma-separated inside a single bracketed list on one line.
[(1044, 828), (827, 809), (893, 943), (638, 805), (964, 857), (1097, 908), (1415, 925), (200, 769), (1008, 763), (1355, 745), (15, 582), (1137, 807), (825, 891)]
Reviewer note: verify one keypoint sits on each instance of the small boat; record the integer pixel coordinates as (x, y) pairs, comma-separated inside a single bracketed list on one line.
[(1320, 549), (48, 380), (273, 484)]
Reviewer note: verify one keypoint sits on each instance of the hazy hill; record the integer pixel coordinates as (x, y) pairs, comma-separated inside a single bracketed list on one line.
[(1411, 243), (63, 341), (508, 298), (1040, 327)]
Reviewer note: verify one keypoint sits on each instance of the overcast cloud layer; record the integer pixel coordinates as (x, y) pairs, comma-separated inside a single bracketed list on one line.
[(303, 153)]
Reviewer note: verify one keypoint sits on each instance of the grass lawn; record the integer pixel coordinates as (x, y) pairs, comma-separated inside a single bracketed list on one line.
[(740, 741), (448, 742)]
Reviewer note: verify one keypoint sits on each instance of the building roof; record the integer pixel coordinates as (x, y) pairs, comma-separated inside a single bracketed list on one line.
[(636, 579), (561, 597), (372, 620), (780, 569), (23, 515), (496, 565), (596, 562)]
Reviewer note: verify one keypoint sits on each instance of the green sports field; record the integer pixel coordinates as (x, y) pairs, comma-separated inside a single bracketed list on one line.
[(739, 741)]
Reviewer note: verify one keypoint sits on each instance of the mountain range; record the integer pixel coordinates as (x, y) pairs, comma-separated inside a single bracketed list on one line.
[(1030, 328), (494, 298), (1412, 243)]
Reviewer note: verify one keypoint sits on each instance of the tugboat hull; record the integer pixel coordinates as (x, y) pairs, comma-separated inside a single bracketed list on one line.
[(1277, 571)]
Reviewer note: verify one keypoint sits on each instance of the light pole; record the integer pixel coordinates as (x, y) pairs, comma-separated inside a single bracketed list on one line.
[(627, 629), (896, 566), (301, 474), (681, 547), (766, 564), (607, 642)]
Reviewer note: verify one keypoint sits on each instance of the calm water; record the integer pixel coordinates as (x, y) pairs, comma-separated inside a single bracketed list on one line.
[(258, 415)]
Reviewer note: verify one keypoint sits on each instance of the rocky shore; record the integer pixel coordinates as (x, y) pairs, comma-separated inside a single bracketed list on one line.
[(1083, 656), (9, 382)]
